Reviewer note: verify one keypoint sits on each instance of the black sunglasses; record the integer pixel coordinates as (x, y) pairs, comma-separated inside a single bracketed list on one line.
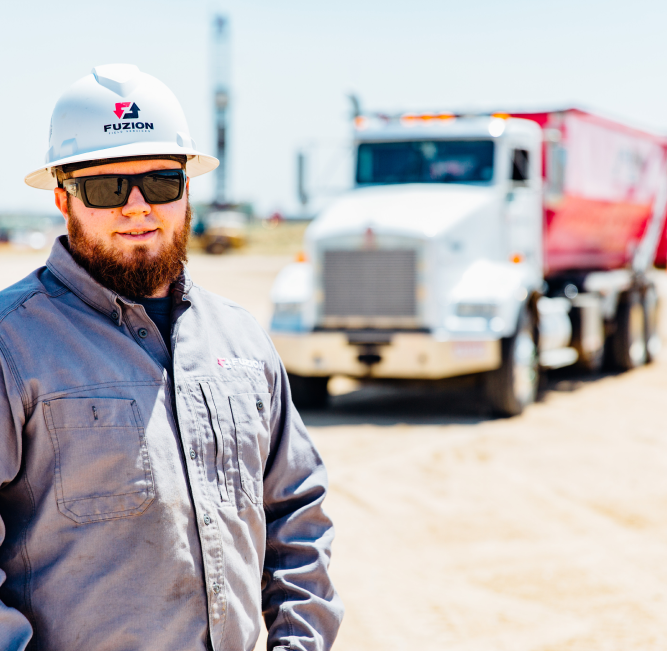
[(113, 190)]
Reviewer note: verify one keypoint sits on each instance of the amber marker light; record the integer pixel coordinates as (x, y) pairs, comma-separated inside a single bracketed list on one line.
[(516, 258), (300, 257), (410, 119), (361, 122)]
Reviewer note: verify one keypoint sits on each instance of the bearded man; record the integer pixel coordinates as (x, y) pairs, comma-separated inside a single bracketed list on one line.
[(158, 490)]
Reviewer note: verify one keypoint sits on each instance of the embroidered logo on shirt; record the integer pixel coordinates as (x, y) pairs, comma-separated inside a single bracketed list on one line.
[(230, 362)]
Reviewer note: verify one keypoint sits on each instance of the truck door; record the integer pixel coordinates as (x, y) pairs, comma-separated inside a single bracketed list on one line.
[(523, 209)]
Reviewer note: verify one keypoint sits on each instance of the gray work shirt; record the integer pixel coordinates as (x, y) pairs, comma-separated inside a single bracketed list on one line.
[(134, 516)]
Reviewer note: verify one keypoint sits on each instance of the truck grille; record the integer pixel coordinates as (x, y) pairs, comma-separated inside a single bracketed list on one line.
[(376, 283)]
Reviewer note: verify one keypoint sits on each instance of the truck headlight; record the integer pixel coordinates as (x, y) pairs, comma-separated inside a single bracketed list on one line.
[(287, 308), (481, 310), (475, 317), (287, 317)]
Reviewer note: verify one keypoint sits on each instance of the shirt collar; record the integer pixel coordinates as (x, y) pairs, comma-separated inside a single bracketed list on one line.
[(80, 282)]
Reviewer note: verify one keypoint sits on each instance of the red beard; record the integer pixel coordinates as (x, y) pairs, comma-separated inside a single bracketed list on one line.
[(143, 274)]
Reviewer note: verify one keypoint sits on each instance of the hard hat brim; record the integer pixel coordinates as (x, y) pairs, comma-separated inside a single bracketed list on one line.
[(198, 163)]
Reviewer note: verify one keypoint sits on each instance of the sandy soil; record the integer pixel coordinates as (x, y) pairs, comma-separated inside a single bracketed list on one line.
[(546, 532)]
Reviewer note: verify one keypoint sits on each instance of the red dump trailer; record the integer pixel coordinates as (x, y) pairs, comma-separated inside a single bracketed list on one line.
[(601, 183)]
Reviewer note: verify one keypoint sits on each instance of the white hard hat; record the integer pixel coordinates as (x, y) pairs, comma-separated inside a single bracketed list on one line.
[(117, 111)]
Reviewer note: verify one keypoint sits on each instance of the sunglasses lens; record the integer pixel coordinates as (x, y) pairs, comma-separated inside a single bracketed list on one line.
[(106, 191), (163, 186)]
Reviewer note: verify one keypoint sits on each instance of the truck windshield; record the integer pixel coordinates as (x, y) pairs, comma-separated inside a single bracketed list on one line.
[(425, 161)]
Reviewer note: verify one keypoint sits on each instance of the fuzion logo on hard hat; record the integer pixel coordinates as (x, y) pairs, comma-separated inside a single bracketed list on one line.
[(121, 107), (127, 111)]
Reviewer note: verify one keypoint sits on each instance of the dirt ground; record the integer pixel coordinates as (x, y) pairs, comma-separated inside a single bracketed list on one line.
[(457, 531)]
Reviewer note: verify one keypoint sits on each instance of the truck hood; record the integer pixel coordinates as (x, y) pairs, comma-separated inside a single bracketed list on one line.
[(414, 210)]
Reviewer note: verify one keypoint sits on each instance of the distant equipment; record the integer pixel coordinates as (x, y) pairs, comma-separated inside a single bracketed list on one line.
[(220, 69), (225, 229), (301, 180)]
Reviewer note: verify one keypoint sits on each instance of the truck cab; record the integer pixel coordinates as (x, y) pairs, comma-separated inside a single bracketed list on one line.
[(431, 267)]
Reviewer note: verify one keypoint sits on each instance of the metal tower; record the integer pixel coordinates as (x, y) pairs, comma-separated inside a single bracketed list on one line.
[(220, 69)]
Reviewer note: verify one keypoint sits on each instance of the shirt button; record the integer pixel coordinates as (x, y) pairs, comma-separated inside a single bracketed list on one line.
[(216, 588), (114, 315), (143, 333), (207, 520), (193, 454), (260, 405)]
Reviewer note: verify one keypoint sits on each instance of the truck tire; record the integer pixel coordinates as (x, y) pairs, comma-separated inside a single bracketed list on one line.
[(514, 385), (628, 343), (651, 311), (309, 392), (217, 247)]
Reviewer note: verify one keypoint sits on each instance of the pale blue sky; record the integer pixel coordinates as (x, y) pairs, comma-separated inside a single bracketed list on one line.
[(293, 61)]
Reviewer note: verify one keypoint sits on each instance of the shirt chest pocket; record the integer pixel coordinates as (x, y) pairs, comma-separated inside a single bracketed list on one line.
[(250, 412), (102, 468)]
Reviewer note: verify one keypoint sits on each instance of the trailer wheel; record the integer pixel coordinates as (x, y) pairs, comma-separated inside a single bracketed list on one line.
[(309, 392), (514, 385), (651, 311), (629, 348)]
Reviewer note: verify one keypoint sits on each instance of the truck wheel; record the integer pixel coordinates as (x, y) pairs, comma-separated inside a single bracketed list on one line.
[(309, 392), (514, 385), (217, 247), (651, 311), (629, 339)]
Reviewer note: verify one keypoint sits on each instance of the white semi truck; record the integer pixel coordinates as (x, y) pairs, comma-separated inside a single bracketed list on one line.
[(494, 245)]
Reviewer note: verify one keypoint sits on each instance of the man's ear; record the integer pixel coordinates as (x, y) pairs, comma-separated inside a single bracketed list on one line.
[(61, 201)]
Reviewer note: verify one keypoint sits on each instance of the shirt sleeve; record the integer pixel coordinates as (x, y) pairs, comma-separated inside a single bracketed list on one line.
[(301, 608), (15, 629)]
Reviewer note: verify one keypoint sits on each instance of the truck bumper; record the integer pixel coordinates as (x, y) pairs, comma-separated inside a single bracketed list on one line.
[(406, 356)]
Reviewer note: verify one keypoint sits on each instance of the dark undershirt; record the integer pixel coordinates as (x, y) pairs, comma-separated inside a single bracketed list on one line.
[(159, 312)]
